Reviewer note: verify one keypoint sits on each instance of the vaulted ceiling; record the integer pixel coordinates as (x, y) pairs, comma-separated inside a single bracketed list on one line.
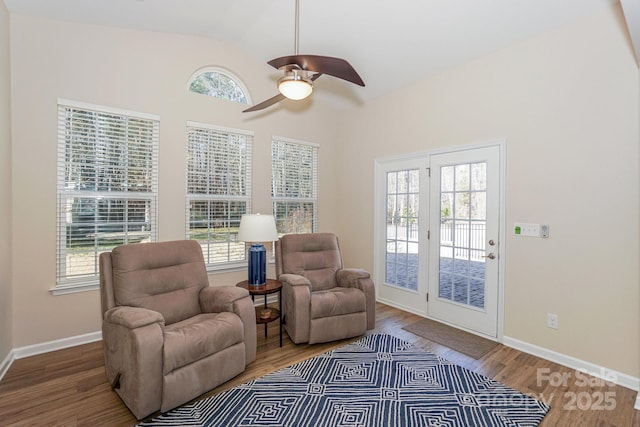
[(391, 43)]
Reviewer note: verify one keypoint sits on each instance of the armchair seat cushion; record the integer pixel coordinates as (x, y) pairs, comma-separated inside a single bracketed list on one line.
[(199, 336), (336, 302)]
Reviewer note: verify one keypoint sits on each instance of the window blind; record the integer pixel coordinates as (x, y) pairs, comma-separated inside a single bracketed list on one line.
[(107, 186), (294, 185), (218, 190)]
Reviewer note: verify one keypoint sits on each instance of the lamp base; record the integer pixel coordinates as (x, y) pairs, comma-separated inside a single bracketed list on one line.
[(257, 265)]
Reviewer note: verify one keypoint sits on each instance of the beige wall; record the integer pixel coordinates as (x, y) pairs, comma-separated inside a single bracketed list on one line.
[(139, 71), (5, 187), (567, 104)]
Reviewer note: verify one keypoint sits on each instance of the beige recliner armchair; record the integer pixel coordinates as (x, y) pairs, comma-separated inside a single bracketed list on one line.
[(321, 300), (168, 336)]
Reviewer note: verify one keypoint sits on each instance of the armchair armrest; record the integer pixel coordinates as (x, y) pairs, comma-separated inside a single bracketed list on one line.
[(350, 277), (133, 340), (361, 279), (296, 306), (133, 317), (294, 280), (216, 299)]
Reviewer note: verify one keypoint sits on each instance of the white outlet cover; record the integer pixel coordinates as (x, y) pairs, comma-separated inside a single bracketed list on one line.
[(544, 230), (552, 321)]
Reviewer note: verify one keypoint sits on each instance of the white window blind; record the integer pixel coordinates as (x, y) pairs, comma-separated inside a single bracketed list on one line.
[(107, 187), (294, 185), (218, 190)]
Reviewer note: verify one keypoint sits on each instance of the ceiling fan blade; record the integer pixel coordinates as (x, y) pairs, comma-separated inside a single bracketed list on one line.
[(336, 67), (264, 104)]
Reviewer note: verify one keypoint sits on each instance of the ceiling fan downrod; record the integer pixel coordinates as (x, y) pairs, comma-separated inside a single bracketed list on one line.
[(296, 43), (295, 84)]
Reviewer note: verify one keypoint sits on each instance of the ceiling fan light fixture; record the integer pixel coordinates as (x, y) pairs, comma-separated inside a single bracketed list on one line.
[(295, 85)]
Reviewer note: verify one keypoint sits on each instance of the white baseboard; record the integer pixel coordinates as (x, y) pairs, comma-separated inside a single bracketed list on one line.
[(45, 347), (637, 405), (601, 372), (6, 364), (35, 349)]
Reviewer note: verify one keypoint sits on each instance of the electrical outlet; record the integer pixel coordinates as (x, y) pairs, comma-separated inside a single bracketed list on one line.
[(552, 321), (544, 231)]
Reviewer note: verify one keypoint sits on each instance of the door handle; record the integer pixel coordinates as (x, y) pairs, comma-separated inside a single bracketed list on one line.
[(490, 256)]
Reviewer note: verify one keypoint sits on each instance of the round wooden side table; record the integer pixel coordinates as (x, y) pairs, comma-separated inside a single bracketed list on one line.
[(272, 286)]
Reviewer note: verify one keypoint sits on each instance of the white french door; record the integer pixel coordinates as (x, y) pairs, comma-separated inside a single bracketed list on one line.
[(465, 224), (402, 218), (438, 236)]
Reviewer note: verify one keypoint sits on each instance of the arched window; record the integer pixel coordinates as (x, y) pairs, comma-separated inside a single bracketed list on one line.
[(219, 84)]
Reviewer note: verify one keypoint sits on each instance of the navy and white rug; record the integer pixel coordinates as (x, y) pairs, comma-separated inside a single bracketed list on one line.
[(379, 380)]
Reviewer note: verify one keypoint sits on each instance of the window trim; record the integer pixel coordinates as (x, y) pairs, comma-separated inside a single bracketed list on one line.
[(92, 282)]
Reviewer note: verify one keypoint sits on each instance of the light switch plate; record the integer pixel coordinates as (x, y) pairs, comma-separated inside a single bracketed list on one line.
[(525, 229)]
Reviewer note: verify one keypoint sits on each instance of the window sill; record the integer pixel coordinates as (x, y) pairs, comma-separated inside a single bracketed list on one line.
[(73, 289)]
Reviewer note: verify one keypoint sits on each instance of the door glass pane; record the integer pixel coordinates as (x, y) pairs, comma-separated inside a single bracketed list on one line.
[(462, 233), (401, 267), (446, 179)]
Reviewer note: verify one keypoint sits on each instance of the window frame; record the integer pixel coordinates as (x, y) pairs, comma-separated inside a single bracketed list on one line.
[(66, 283), (278, 199), (229, 265)]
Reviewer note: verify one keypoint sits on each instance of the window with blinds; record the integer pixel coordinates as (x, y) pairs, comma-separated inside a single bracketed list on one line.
[(294, 185), (218, 191), (107, 187)]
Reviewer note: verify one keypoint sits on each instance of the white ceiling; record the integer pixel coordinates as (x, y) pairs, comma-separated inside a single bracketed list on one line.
[(391, 43)]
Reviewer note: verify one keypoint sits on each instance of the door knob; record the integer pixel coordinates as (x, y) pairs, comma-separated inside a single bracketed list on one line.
[(490, 256), (492, 243)]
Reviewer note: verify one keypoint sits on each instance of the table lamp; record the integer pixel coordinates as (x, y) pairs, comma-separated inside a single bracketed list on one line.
[(256, 228)]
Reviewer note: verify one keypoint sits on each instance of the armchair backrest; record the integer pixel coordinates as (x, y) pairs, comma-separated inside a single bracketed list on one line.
[(315, 256), (166, 277)]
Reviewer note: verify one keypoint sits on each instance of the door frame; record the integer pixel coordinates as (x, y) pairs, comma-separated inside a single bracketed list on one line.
[(380, 233)]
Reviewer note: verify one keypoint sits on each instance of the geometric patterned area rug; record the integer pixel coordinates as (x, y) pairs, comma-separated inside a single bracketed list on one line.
[(378, 380)]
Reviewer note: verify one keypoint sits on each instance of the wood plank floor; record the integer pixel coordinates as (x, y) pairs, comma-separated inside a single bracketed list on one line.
[(69, 388)]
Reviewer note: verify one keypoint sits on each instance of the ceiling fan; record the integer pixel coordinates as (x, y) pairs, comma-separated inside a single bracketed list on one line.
[(300, 71)]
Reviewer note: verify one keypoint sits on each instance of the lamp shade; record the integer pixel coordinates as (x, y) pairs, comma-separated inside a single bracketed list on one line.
[(257, 228)]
